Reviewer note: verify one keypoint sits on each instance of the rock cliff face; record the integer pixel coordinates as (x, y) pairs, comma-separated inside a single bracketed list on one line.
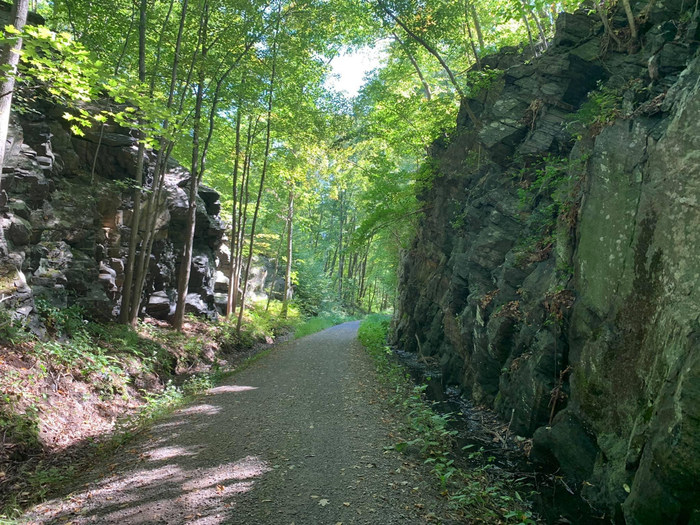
[(66, 235), (555, 273)]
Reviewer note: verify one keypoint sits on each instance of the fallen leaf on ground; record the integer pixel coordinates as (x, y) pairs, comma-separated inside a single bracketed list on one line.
[(323, 502)]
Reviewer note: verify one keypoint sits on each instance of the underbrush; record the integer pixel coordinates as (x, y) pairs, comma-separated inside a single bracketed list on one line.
[(478, 491), (320, 322), (87, 387)]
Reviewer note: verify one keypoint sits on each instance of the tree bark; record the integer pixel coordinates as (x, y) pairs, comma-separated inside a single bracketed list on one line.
[(288, 270), (124, 312), (471, 37), (243, 214), (633, 26), (158, 173), (430, 49), (523, 15), (426, 87), (264, 170), (277, 265), (234, 230), (600, 7), (186, 261), (340, 249), (477, 26), (9, 60)]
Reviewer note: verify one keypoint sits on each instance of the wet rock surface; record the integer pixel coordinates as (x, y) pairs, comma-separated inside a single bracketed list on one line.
[(586, 335)]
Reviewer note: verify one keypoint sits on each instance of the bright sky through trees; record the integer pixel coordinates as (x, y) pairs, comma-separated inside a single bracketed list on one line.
[(351, 69)]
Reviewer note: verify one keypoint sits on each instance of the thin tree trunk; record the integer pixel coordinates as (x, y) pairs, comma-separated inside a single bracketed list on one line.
[(234, 231), (523, 14), (600, 7), (477, 26), (540, 29), (633, 26), (97, 152), (186, 261), (332, 266), (159, 48), (9, 60), (277, 265), (340, 249), (471, 37), (318, 232), (158, 171), (263, 173), (430, 49), (126, 40), (124, 316), (288, 271), (243, 213), (426, 87)]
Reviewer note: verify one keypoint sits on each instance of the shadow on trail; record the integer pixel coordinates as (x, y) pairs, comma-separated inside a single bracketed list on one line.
[(168, 476)]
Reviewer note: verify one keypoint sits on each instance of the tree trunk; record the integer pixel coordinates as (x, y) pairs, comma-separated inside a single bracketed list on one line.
[(477, 58), (633, 45), (234, 231), (9, 60), (477, 26), (158, 172), (540, 29), (277, 266), (126, 40), (600, 7), (318, 232), (264, 171), (430, 49), (186, 261), (523, 15), (426, 87), (288, 271), (243, 214), (124, 312), (340, 249)]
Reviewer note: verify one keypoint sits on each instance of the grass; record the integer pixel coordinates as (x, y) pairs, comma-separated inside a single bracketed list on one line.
[(47, 480), (478, 491), (108, 358), (321, 322)]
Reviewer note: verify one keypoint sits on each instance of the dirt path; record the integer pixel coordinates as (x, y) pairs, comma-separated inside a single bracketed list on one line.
[(297, 438)]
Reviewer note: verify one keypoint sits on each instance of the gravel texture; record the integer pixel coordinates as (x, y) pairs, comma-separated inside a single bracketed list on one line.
[(297, 438)]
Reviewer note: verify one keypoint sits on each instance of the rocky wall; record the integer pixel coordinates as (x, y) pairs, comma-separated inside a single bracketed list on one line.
[(555, 272), (66, 230)]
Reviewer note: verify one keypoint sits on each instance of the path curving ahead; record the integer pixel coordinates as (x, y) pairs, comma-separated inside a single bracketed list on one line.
[(296, 438)]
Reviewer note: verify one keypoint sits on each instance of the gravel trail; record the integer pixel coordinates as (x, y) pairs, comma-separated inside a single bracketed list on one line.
[(297, 438)]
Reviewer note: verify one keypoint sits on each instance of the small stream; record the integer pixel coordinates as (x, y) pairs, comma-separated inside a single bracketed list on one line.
[(480, 428)]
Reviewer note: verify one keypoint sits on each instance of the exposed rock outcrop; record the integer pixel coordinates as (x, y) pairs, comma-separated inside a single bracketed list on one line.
[(564, 292), (66, 235)]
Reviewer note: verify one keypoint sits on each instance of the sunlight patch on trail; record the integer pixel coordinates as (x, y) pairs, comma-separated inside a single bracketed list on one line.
[(231, 388)]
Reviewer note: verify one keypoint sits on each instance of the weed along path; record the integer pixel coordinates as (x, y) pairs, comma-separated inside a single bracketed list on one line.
[(296, 438)]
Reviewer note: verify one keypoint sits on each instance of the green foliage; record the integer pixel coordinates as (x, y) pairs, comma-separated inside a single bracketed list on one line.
[(601, 109), (314, 291), (478, 490), (12, 330), (549, 193), (321, 322)]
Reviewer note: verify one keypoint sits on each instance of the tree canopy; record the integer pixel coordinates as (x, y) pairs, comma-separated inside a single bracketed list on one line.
[(238, 91)]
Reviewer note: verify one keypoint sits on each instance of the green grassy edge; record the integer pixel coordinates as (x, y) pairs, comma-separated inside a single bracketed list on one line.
[(478, 492), (157, 407)]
